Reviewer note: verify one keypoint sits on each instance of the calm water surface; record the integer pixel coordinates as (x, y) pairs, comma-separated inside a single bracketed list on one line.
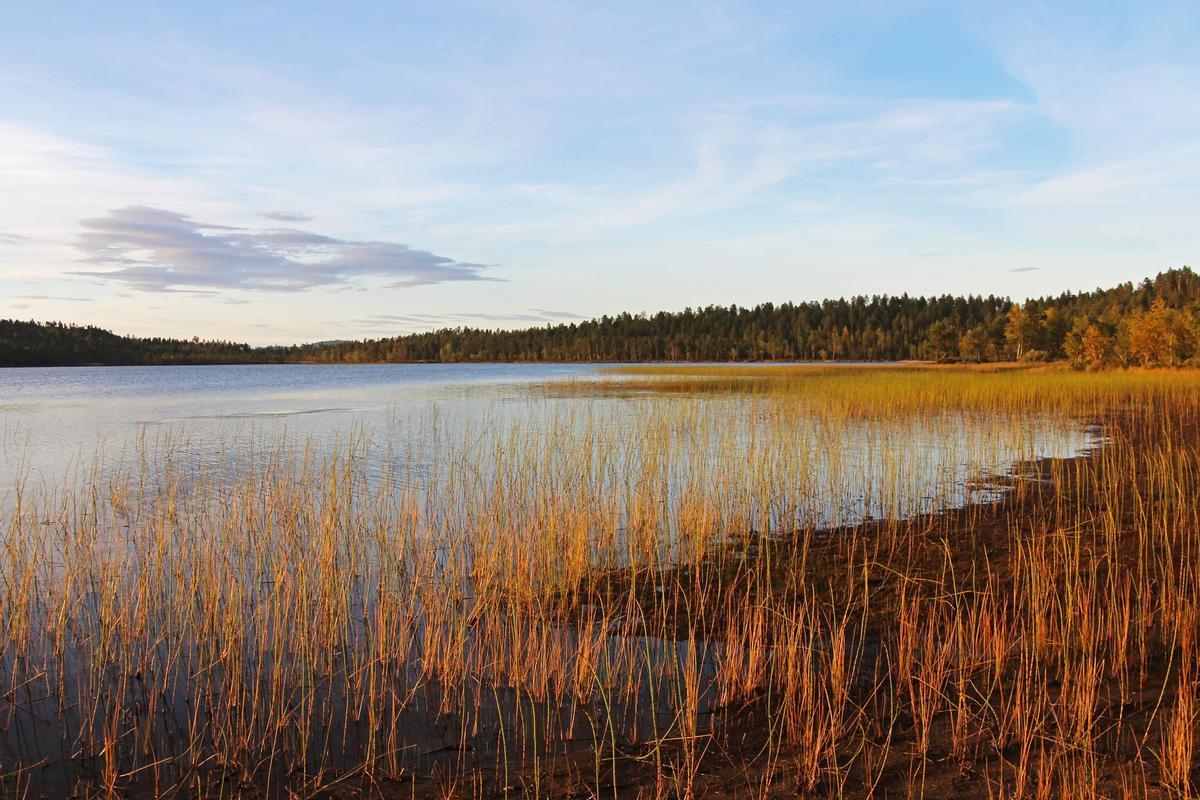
[(56, 420), (61, 426)]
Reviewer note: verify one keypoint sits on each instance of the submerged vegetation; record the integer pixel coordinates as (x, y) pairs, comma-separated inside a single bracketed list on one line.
[(750, 582), (1154, 323)]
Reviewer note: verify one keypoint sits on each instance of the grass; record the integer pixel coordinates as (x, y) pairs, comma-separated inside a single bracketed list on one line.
[(733, 582)]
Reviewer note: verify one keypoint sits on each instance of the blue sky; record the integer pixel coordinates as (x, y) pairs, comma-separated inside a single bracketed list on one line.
[(278, 172)]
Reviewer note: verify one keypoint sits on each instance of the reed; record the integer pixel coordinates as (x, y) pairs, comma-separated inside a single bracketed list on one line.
[(669, 582)]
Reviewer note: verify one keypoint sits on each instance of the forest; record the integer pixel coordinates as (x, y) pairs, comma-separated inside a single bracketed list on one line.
[(1152, 323)]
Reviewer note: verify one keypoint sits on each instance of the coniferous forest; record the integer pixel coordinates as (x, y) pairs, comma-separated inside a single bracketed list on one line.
[(1152, 323)]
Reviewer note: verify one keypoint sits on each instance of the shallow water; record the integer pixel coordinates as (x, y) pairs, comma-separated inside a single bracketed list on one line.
[(67, 424), (54, 421)]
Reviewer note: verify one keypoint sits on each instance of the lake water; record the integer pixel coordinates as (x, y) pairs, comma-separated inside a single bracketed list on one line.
[(62, 426), (54, 421)]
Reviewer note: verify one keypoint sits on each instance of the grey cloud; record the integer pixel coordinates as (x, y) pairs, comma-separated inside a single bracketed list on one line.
[(12, 238), (287, 216), (53, 297), (156, 250), (1024, 269)]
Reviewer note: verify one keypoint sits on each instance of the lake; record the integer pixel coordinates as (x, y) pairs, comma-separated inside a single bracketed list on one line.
[(56, 420), (63, 426)]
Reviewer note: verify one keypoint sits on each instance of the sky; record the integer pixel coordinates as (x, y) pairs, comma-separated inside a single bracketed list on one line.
[(279, 172)]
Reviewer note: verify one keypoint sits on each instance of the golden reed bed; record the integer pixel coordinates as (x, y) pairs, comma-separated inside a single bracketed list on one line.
[(750, 582)]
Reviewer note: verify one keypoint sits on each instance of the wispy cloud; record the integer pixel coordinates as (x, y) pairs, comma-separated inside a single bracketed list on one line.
[(156, 250), (1024, 269), (286, 216), (737, 153), (12, 238), (54, 297), (556, 314), (533, 316), (1117, 81)]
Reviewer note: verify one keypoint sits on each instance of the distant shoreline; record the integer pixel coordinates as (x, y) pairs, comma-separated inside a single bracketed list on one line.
[(1153, 323), (904, 363)]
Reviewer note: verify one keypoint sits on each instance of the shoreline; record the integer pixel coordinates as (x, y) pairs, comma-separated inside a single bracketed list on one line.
[(971, 534)]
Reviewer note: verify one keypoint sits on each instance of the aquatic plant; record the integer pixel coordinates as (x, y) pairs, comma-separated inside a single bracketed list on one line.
[(796, 580)]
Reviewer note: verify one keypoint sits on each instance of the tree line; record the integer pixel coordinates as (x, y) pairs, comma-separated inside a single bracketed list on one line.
[(52, 344), (1154, 322)]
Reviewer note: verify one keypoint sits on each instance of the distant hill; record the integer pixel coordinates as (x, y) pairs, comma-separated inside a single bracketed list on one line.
[(1152, 322)]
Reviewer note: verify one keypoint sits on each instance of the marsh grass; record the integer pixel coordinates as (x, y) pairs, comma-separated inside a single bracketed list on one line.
[(749, 582)]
